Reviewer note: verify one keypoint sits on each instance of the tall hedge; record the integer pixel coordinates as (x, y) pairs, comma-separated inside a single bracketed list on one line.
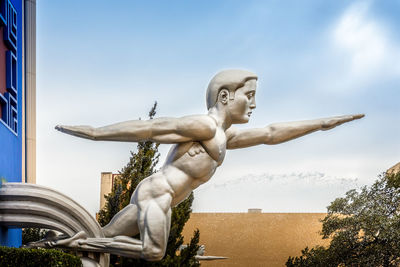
[(29, 257)]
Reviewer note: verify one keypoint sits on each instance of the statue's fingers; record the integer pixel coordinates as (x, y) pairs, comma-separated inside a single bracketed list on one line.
[(65, 129), (50, 244), (347, 118), (358, 116), (336, 121)]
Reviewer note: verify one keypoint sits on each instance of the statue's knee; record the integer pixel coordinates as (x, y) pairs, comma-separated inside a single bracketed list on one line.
[(152, 254)]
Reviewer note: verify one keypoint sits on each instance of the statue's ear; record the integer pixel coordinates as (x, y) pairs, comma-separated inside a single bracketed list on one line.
[(223, 96)]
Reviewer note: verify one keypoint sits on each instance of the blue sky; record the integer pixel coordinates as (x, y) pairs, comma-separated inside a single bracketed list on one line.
[(99, 63)]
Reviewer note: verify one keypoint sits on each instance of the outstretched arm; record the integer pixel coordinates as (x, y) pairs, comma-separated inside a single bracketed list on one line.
[(281, 132), (161, 130)]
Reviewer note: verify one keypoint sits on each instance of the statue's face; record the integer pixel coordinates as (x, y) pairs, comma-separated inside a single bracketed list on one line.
[(240, 108)]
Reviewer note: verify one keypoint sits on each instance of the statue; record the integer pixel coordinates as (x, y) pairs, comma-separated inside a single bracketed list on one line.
[(200, 254), (200, 143)]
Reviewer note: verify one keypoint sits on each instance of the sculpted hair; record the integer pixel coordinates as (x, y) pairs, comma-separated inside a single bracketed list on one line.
[(226, 79)]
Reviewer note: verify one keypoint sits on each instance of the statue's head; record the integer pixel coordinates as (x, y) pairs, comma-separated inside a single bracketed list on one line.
[(235, 89)]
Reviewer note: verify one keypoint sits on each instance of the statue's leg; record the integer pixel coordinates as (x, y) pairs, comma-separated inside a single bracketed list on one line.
[(123, 223), (120, 245), (155, 223)]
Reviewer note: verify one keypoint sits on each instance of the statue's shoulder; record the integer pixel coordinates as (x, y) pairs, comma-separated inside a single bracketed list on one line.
[(202, 120), (198, 127)]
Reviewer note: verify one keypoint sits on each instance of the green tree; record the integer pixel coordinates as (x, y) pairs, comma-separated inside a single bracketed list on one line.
[(364, 228), (142, 163), (32, 235)]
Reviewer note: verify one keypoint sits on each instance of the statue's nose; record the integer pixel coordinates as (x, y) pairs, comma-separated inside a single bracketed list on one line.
[(253, 104)]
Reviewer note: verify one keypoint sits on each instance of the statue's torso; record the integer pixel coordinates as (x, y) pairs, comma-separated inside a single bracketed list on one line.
[(191, 164)]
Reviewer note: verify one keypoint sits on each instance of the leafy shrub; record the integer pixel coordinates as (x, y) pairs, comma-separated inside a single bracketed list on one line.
[(11, 257), (364, 228)]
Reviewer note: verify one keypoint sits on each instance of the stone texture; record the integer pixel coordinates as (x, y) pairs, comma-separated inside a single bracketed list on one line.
[(30, 205)]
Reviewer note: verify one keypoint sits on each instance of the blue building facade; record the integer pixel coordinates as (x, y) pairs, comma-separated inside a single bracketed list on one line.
[(11, 102)]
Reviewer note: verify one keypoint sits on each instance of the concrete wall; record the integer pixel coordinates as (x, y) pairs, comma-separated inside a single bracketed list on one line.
[(30, 91), (255, 239)]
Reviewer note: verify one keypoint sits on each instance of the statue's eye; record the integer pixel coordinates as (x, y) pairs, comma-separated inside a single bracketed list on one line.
[(250, 95)]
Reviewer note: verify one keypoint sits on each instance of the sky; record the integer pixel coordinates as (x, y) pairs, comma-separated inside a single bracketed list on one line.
[(101, 62)]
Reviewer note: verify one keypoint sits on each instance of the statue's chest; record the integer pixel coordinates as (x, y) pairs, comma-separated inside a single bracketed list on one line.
[(216, 147)]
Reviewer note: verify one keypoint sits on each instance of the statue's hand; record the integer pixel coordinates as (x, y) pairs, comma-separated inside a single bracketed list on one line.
[(50, 244), (73, 242), (83, 131), (332, 122)]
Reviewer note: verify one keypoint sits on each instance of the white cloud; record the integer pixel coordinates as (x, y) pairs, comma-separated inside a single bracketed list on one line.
[(294, 192), (366, 43)]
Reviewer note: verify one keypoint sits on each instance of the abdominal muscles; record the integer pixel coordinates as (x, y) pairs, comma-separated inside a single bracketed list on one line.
[(189, 171)]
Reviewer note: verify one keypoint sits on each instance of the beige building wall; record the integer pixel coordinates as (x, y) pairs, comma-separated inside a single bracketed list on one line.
[(105, 186), (255, 239), (394, 169)]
